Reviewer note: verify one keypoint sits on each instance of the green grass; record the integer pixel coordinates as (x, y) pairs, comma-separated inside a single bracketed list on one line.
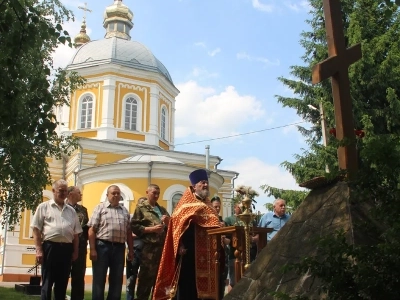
[(12, 294)]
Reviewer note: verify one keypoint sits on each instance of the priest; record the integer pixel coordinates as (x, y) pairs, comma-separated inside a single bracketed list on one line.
[(187, 269)]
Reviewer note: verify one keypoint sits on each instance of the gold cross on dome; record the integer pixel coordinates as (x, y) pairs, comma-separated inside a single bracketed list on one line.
[(85, 9)]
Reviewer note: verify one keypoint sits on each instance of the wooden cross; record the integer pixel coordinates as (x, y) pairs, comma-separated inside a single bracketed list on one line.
[(85, 9), (336, 66)]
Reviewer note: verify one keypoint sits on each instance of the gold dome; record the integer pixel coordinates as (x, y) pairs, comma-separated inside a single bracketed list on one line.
[(118, 20), (81, 38)]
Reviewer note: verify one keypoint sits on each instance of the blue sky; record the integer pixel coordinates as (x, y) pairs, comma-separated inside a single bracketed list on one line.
[(224, 56)]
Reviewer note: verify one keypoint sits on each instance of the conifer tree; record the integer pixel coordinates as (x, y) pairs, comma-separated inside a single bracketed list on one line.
[(356, 271)]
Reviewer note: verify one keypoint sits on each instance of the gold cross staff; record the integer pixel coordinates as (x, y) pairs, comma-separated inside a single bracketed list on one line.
[(85, 9)]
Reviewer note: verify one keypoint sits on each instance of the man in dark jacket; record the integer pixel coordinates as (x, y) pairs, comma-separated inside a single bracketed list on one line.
[(78, 268)]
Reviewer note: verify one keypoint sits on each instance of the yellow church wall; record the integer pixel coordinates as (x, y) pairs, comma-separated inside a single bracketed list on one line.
[(96, 89), (29, 259), (131, 136), (86, 134), (163, 145), (105, 157), (25, 223), (105, 74), (24, 228), (123, 89), (92, 192)]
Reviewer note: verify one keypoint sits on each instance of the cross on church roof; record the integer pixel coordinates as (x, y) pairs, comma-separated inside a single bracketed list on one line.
[(85, 9), (336, 67)]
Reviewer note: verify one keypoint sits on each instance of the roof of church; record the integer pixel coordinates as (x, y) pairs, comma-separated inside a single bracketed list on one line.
[(118, 51), (149, 158)]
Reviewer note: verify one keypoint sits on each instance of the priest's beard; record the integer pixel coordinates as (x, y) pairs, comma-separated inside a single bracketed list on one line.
[(204, 193)]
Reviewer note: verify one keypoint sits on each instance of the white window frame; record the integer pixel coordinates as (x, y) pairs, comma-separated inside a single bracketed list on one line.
[(78, 121), (170, 192), (164, 130), (139, 112)]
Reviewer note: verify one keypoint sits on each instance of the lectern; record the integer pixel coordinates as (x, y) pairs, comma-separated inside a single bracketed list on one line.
[(238, 235)]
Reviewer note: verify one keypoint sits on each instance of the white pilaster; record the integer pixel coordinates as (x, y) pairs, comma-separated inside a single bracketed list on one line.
[(65, 111), (107, 130), (107, 114), (154, 106), (172, 137)]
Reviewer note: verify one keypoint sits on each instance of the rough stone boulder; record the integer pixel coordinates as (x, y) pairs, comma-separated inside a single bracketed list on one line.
[(323, 212)]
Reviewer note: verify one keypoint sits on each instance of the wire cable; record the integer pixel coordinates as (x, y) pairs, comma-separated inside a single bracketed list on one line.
[(240, 134)]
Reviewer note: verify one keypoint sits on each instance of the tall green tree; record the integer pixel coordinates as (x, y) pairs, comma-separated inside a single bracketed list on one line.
[(356, 271), (30, 88)]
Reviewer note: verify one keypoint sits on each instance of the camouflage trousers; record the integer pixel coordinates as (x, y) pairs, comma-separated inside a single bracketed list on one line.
[(150, 261)]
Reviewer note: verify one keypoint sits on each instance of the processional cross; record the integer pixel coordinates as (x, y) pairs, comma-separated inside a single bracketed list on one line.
[(336, 67), (85, 9)]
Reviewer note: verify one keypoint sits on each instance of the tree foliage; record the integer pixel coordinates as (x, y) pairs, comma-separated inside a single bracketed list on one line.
[(30, 88), (355, 271), (293, 198)]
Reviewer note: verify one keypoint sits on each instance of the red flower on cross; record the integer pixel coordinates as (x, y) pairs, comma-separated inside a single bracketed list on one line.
[(359, 133)]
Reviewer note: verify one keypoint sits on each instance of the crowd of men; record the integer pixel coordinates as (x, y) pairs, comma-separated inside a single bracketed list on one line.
[(165, 253)]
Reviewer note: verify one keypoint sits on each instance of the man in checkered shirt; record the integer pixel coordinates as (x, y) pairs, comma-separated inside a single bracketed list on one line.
[(109, 229)]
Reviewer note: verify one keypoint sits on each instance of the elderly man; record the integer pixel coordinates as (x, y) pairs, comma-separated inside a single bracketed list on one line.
[(109, 229), (187, 247), (149, 223), (275, 219), (55, 228), (78, 269)]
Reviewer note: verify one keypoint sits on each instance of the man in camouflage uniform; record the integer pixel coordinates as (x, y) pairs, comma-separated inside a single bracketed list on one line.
[(78, 268), (149, 223)]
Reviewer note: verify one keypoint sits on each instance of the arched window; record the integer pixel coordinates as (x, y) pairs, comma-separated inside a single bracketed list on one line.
[(164, 124), (175, 199), (86, 112), (131, 111)]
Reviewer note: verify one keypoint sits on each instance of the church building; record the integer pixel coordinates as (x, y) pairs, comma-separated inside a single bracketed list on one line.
[(124, 117)]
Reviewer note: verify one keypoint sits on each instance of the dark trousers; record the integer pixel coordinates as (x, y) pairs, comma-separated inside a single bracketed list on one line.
[(132, 269), (78, 271), (110, 257), (55, 269)]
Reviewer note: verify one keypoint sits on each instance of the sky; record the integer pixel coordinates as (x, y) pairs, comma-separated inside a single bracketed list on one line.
[(224, 57)]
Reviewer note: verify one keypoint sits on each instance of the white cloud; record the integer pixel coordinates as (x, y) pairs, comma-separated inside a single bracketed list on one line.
[(204, 112), (255, 172), (303, 5), (203, 73), (200, 44), (74, 3), (263, 60), (214, 52), (262, 6)]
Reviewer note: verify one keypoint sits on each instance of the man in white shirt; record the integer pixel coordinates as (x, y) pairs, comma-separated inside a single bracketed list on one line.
[(55, 228)]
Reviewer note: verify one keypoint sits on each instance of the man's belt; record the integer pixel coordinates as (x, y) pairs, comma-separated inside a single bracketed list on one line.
[(58, 243), (110, 243)]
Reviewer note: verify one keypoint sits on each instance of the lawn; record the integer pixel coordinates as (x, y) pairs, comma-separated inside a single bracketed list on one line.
[(12, 294)]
